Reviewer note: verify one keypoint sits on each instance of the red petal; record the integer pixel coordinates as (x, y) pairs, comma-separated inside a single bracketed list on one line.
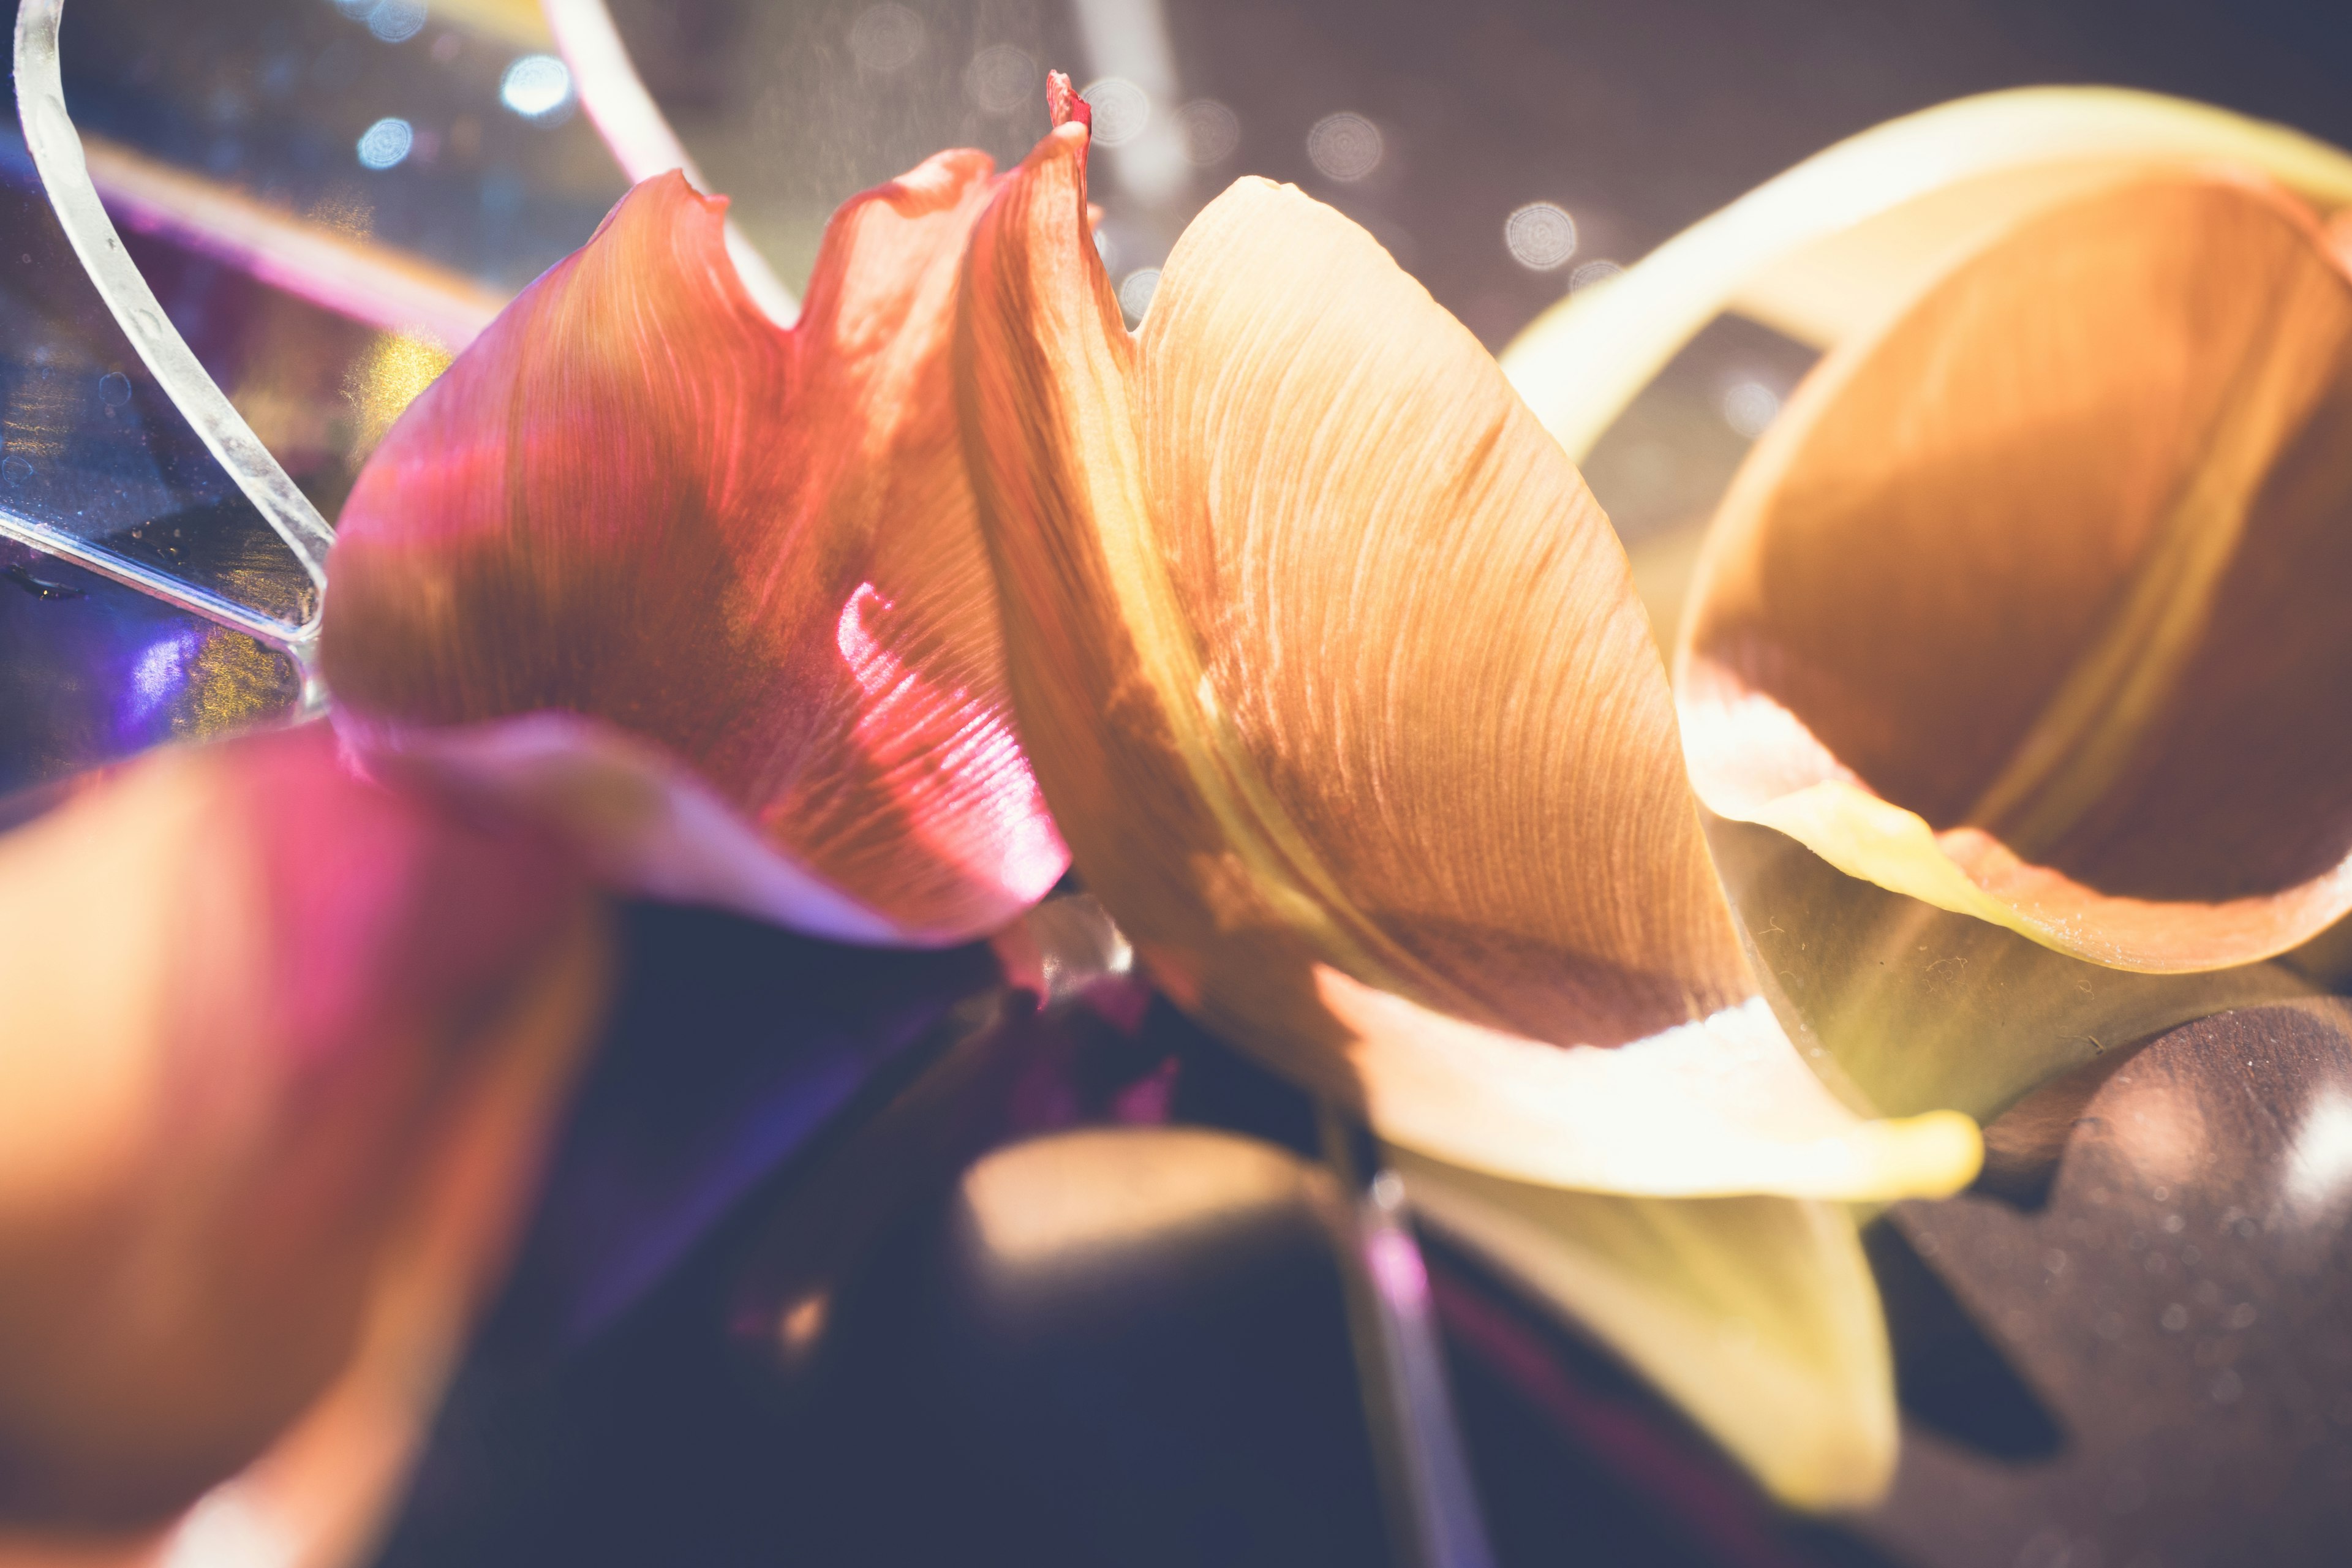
[(636, 500), (255, 1004)]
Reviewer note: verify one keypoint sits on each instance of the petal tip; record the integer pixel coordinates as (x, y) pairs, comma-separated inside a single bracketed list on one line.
[(1063, 104)]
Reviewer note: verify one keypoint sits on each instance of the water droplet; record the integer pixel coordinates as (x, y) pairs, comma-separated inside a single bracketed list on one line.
[(148, 323), (115, 388), (2175, 1318), (15, 470)]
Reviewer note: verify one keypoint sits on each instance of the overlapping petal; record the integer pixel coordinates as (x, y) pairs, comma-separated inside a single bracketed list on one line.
[(711, 589), (2025, 607), (1333, 672), (1758, 1315), (280, 1046)]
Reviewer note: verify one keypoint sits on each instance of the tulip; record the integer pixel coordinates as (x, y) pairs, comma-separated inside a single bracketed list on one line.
[(2016, 610), (709, 589), (1333, 674), (282, 1048)]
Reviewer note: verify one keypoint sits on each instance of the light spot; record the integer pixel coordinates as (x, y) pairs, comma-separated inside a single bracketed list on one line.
[(536, 86), (886, 38), (2174, 1318), (396, 21), (398, 366), (1540, 236), (224, 1531), (1135, 293), (1001, 80), (2319, 1164), (1211, 130), (1395, 1266), (1749, 406), (1121, 109), (1592, 272), (1346, 147), (161, 670), (804, 1326), (384, 144)]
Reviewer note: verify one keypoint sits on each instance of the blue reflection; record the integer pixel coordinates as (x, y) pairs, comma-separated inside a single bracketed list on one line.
[(387, 142)]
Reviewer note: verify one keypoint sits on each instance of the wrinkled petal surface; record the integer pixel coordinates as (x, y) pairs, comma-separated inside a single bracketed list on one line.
[(1333, 671), (279, 1044), (740, 559), (2025, 608)]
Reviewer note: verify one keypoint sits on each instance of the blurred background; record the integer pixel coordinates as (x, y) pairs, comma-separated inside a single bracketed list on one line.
[(2107, 1361)]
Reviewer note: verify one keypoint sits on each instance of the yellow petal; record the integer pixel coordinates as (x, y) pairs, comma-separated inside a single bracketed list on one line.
[(1908, 1009), (1333, 674), (1758, 1315), (2024, 608), (1845, 236)]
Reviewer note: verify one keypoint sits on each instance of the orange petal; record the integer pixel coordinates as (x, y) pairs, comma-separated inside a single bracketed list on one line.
[(740, 559), (1334, 673), (2025, 606), (257, 1005)]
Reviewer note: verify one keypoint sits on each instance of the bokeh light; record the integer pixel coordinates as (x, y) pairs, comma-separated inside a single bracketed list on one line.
[(1211, 130), (886, 38), (1121, 109), (1592, 272), (1135, 293), (1540, 236), (536, 86), (387, 142), (396, 21), (1749, 406), (1345, 147), (1001, 80)]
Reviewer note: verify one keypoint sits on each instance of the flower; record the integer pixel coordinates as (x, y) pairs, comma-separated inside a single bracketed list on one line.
[(282, 1046), (1332, 672), (2018, 610), (708, 588)]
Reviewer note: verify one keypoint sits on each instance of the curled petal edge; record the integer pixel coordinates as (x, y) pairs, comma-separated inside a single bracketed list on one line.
[(1831, 243), (647, 823)]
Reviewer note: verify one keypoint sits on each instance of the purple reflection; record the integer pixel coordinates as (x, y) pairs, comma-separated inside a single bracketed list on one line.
[(92, 672)]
